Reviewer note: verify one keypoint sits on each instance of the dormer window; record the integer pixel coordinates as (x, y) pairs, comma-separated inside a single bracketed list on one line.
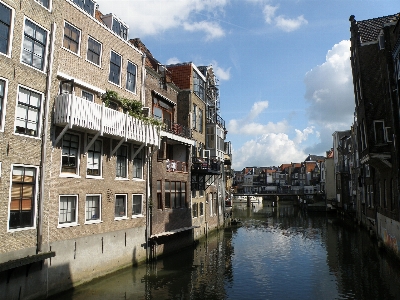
[(120, 29), (86, 5)]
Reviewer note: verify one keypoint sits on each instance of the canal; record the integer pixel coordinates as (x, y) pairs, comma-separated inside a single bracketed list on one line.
[(277, 252)]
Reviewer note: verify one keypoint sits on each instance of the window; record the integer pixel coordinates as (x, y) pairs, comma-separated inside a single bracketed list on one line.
[(138, 164), (120, 206), (68, 210), (210, 137), (27, 113), (201, 208), (94, 51), (45, 3), (120, 29), (70, 154), (379, 130), (122, 162), (137, 205), (86, 5), (93, 208), (175, 194), (71, 38), (34, 44), (198, 85), (2, 100), (5, 26), (88, 96), (194, 122), (94, 158), (23, 194), (167, 194), (163, 112), (159, 195), (131, 77), (194, 210), (115, 68), (200, 120)]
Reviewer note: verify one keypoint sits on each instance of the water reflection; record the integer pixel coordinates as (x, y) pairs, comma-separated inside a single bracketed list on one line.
[(278, 252)]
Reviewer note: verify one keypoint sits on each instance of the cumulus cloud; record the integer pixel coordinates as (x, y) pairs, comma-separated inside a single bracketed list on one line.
[(329, 93), (254, 129), (222, 74), (212, 29), (172, 61), (164, 15), (272, 149), (258, 108), (269, 13), (289, 25)]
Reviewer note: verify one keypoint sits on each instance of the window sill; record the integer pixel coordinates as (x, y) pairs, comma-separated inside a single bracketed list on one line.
[(72, 52), (32, 67), (137, 216), (66, 225), (121, 218), (69, 175), (11, 230), (113, 83), (92, 63), (132, 92), (93, 222), (94, 177), (137, 179), (121, 179), (27, 135)]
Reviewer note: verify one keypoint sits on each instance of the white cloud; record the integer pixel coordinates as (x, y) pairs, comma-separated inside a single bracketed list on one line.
[(255, 129), (269, 13), (329, 93), (172, 61), (289, 25), (222, 74), (212, 29), (151, 17), (258, 108), (271, 149)]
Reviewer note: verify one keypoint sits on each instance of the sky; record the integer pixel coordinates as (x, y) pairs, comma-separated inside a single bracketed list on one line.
[(283, 66)]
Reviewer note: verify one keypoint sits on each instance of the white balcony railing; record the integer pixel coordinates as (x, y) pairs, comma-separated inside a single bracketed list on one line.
[(79, 112)]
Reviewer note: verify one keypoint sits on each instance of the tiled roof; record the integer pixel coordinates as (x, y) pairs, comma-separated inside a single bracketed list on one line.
[(369, 29)]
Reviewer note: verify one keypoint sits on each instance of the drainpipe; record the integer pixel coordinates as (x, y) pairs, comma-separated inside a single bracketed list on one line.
[(143, 88), (149, 197), (44, 137)]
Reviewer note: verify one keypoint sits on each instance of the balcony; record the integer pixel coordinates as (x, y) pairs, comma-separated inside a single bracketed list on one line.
[(176, 166), (76, 112), (206, 165)]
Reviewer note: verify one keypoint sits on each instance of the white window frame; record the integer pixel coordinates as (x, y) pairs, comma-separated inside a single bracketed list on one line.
[(87, 51), (34, 212), (89, 93), (97, 220), (141, 152), (100, 160), (78, 51), (77, 173), (40, 112), (126, 164), (135, 82), (125, 216), (3, 104), (41, 4), (43, 70), (11, 31), (68, 224), (120, 69), (83, 9), (141, 206)]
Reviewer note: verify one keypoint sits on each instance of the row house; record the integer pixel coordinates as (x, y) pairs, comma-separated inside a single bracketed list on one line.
[(105, 160), (375, 69), (198, 109)]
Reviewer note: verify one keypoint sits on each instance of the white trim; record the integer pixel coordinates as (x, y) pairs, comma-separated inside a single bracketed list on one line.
[(69, 224), (88, 140), (47, 8), (126, 81), (45, 46), (40, 113), (76, 174), (36, 186), (4, 104), (120, 70), (126, 163), (124, 217), (87, 50), (141, 206), (100, 210), (11, 33), (78, 53), (80, 82)]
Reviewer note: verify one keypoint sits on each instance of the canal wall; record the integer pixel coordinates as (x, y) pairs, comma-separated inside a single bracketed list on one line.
[(77, 261), (389, 233)]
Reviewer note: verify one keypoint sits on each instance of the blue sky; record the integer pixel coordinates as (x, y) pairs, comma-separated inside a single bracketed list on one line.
[(283, 66)]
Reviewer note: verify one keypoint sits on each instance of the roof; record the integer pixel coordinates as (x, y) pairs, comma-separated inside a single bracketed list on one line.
[(369, 29)]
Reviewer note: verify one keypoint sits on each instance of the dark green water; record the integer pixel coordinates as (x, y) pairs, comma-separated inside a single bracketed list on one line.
[(277, 253)]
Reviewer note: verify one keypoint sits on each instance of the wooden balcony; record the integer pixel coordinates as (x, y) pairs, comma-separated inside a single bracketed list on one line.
[(78, 113)]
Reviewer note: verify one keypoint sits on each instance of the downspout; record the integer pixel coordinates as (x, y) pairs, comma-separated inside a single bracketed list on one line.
[(44, 137), (149, 197)]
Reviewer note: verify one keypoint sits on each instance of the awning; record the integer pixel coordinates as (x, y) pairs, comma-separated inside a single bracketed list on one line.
[(171, 232), (164, 98)]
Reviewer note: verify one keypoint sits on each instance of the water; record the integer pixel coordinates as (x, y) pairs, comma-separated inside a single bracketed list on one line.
[(276, 253)]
